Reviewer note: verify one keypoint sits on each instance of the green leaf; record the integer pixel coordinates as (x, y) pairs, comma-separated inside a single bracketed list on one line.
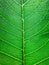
[(24, 32)]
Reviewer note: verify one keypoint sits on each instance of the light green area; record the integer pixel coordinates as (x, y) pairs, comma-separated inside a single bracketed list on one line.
[(36, 32)]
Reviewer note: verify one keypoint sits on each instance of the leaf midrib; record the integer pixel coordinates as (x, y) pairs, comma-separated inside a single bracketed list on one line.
[(22, 11)]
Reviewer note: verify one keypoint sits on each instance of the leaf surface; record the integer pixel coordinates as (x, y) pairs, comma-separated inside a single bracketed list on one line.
[(24, 32)]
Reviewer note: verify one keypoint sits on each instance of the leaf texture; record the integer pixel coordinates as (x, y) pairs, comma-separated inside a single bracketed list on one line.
[(24, 32)]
